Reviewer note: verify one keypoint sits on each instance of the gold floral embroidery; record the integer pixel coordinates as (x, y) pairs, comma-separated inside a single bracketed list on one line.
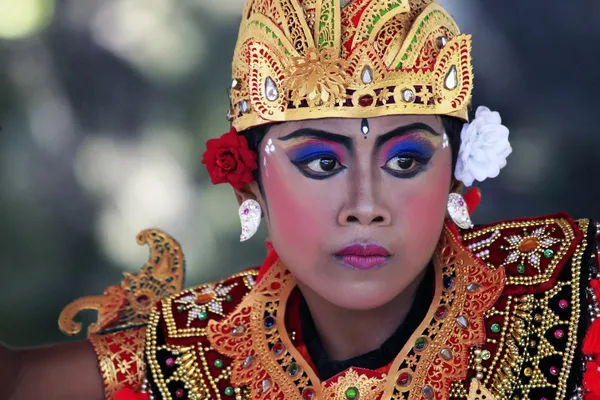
[(121, 359)]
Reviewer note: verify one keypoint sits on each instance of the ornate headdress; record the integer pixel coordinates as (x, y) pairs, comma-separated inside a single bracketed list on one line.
[(309, 59)]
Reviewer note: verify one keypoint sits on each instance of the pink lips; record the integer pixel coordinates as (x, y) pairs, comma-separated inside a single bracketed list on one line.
[(363, 257)]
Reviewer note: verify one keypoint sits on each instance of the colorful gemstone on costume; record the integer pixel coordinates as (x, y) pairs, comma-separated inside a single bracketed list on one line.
[(203, 316), (269, 322), (408, 96), (529, 244), (235, 84), (441, 42), (563, 304), (420, 344), (559, 334), (366, 100), (218, 363), (181, 308), (229, 298), (308, 394), (495, 328), (446, 354), (248, 362), (367, 75), (462, 321), (521, 268), (278, 348), (528, 372), (352, 393), (229, 391), (485, 355), (404, 379), (472, 287), (448, 283), (244, 106), (548, 253), (179, 393), (170, 362), (265, 385), (554, 371), (441, 312), (271, 91), (427, 391), (293, 369), (238, 331), (451, 81)]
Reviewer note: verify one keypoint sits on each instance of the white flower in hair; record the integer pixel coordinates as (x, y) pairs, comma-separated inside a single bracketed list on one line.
[(484, 148)]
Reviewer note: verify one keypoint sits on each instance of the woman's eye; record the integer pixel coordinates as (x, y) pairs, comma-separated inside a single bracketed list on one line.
[(323, 165), (401, 164)]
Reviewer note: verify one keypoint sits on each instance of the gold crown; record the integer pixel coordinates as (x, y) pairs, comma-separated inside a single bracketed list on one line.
[(309, 59)]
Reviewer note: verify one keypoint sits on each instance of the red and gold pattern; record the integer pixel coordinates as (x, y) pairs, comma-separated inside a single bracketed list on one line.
[(493, 331), (130, 303), (118, 336), (532, 330), (121, 359), (301, 59)]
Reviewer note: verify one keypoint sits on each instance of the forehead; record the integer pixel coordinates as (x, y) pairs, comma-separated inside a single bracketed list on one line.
[(351, 126)]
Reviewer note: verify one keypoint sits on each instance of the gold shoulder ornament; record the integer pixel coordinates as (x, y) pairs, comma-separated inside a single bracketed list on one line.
[(129, 304)]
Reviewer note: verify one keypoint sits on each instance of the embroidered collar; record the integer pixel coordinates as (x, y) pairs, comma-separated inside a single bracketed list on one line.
[(267, 364)]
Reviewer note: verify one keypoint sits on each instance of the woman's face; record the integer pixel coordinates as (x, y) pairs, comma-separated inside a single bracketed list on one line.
[(356, 217)]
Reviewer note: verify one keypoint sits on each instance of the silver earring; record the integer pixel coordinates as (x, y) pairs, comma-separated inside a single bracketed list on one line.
[(250, 214), (459, 212)]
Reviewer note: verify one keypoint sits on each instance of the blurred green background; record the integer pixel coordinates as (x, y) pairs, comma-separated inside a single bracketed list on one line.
[(105, 106)]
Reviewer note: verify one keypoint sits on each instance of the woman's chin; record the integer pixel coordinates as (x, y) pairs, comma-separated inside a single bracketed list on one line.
[(359, 300)]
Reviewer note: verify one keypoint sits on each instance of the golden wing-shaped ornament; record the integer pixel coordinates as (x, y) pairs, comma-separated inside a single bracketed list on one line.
[(130, 303)]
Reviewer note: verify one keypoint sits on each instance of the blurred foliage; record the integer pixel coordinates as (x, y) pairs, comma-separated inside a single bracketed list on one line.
[(106, 105)]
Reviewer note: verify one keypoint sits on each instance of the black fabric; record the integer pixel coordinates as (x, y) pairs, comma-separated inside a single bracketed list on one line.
[(377, 358)]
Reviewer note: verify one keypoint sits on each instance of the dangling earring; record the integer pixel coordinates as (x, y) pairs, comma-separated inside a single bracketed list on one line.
[(459, 212), (250, 214)]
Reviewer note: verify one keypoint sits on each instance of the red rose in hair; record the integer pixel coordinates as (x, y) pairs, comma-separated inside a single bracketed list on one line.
[(229, 160)]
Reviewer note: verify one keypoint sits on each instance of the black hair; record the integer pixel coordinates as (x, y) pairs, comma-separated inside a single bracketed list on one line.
[(452, 126)]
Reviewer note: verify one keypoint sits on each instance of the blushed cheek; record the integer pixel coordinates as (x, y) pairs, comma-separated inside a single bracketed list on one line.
[(296, 212), (425, 207)]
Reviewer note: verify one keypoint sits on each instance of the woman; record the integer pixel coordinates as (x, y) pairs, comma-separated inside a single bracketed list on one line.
[(350, 140)]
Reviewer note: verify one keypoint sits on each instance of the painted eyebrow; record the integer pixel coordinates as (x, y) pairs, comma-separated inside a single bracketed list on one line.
[(347, 141), (403, 130), (319, 134)]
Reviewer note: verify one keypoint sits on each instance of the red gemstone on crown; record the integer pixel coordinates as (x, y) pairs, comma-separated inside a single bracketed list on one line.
[(366, 100)]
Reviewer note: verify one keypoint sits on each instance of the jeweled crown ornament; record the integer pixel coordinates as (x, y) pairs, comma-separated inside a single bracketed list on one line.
[(309, 59)]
